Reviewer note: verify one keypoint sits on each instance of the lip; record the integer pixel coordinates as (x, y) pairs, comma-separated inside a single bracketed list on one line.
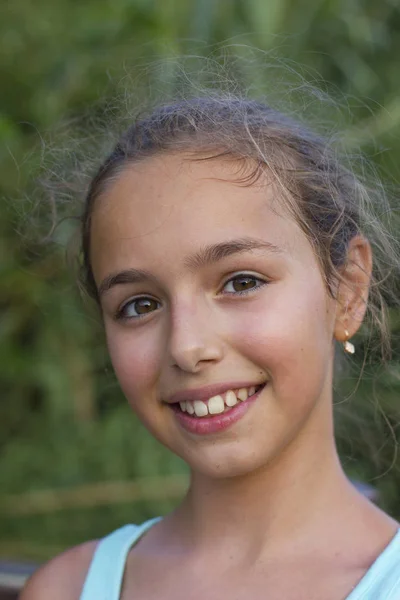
[(215, 423), (208, 391)]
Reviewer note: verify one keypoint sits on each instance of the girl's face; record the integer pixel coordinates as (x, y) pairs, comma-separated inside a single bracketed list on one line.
[(208, 286)]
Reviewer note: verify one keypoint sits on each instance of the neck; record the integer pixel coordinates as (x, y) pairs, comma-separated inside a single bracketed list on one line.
[(286, 499)]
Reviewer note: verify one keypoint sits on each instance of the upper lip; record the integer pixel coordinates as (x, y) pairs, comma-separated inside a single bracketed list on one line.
[(208, 391)]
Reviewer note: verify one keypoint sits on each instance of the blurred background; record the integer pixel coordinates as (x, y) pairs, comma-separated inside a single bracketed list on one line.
[(74, 462)]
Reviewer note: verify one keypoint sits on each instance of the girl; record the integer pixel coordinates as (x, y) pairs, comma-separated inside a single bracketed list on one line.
[(224, 244)]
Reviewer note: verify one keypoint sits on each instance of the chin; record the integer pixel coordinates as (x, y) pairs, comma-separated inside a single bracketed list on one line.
[(226, 466)]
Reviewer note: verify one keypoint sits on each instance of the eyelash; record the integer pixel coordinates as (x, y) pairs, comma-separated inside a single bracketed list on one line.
[(119, 315)]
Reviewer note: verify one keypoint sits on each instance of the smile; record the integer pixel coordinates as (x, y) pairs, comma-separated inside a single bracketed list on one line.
[(221, 403), (218, 413)]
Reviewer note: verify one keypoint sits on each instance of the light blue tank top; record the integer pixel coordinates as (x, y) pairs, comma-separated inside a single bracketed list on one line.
[(105, 575)]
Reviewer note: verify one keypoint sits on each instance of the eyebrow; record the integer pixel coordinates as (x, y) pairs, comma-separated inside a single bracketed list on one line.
[(204, 257), (216, 252)]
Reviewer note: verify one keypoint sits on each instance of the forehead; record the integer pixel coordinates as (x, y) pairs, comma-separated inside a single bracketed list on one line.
[(169, 206)]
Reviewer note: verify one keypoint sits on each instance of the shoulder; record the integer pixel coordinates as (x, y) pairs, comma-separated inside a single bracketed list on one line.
[(62, 577)]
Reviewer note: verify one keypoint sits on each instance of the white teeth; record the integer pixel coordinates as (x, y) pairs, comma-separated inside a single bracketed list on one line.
[(200, 408), (216, 405), (230, 399), (190, 408), (242, 394)]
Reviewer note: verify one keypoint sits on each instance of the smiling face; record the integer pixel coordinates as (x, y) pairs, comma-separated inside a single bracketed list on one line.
[(204, 282)]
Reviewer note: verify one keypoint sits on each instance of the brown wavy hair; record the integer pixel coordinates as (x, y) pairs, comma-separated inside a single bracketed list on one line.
[(329, 201)]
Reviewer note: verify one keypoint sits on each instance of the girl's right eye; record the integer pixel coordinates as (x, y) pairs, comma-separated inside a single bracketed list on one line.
[(137, 308)]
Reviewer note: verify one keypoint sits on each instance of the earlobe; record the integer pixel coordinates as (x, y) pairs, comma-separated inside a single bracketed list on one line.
[(353, 288), (348, 346)]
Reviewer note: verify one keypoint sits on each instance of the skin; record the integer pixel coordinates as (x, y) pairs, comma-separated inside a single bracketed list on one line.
[(263, 492)]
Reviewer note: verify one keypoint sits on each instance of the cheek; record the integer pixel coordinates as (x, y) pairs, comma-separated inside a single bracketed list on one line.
[(289, 337), (136, 361)]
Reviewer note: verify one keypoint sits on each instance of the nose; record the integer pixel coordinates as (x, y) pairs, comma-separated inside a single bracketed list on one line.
[(194, 339)]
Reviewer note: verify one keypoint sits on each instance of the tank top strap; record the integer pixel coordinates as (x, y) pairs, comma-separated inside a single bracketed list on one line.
[(382, 580), (106, 571)]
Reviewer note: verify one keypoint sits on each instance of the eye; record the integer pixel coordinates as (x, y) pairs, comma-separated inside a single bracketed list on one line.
[(243, 283), (137, 307)]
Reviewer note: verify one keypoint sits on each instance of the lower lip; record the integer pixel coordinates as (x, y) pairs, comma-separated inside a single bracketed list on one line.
[(215, 423)]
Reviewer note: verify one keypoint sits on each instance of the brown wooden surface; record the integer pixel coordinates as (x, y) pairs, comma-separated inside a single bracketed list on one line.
[(8, 594), (13, 576)]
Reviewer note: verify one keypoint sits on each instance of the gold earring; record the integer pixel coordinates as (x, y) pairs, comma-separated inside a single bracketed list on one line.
[(348, 346)]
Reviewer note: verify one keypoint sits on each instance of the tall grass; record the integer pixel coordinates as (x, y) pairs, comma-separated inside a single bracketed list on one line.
[(63, 421)]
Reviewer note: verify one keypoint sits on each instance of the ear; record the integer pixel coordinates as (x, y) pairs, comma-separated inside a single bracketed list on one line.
[(353, 288)]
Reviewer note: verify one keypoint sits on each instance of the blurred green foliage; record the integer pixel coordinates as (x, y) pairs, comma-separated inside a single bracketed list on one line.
[(63, 421)]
